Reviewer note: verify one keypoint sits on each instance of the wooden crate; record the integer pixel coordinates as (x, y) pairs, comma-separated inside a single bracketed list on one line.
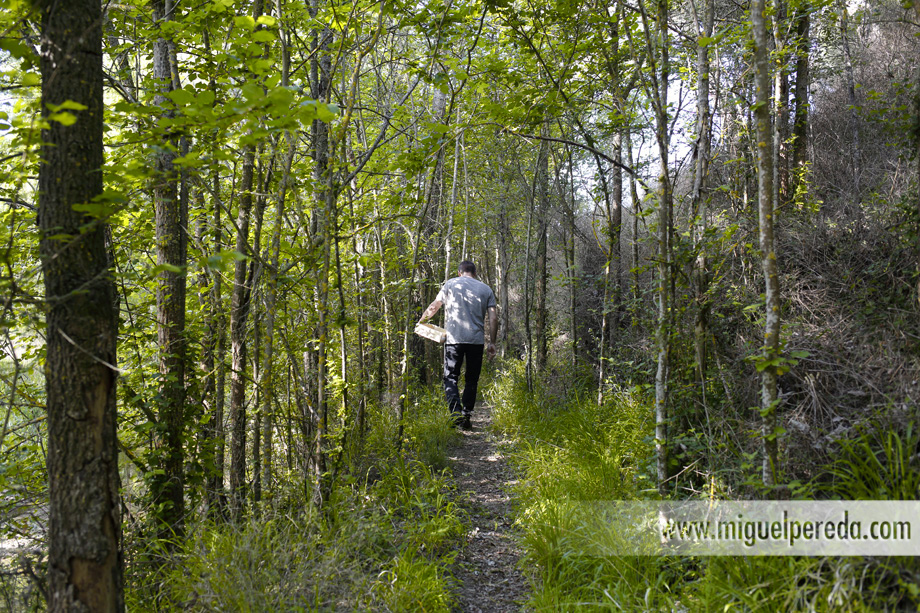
[(431, 332)]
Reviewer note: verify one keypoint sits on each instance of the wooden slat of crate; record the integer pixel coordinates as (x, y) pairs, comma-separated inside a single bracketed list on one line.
[(431, 332)]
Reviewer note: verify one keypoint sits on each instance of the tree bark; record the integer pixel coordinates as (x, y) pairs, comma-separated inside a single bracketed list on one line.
[(700, 177), (239, 315), (771, 346), (321, 86), (802, 79), (856, 148), (85, 562), (781, 100), (542, 207), (659, 49), (168, 486)]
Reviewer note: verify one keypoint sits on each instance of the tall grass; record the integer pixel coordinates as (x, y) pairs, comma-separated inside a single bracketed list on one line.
[(566, 448), (383, 541)]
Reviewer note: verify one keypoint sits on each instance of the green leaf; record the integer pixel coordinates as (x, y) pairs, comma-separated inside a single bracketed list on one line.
[(263, 36), (245, 21), (31, 79), (67, 119), (267, 20), (705, 41), (182, 97), (165, 267), (67, 105)]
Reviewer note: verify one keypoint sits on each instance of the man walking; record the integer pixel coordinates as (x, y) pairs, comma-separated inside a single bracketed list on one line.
[(466, 302)]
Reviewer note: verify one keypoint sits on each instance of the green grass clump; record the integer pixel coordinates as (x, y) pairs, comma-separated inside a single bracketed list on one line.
[(878, 465)]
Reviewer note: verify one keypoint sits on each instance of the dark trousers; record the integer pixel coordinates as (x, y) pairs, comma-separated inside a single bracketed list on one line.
[(453, 360)]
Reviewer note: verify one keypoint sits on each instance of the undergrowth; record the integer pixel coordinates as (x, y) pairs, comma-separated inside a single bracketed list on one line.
[(383, 541), (569, 449)]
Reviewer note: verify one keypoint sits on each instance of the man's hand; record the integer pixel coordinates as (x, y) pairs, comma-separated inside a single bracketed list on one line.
[(490, 350)]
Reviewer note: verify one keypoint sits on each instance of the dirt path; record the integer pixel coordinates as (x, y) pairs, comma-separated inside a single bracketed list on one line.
[(486, 569)]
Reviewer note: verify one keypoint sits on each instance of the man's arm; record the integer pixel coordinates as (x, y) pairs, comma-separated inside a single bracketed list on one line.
[(430, 311), (493, 330)]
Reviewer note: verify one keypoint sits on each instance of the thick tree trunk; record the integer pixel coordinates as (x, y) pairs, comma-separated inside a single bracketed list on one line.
[(771, 350), (85, 562), (168, 486)]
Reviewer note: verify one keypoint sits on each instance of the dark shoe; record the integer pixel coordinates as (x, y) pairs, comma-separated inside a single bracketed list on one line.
[(466, 424), (456, 420)]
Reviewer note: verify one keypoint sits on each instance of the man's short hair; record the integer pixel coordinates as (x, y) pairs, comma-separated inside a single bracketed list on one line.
[(467, 267)]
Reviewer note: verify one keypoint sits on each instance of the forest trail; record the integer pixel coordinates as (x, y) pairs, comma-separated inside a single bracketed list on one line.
[(487, 568)]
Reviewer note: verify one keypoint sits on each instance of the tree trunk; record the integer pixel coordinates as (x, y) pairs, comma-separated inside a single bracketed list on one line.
[(781, 100), (217, 318), (321, 85), (85, 562), (634, 199), (700, 177), (659, 94), (168, 486), (771, 348), (239, 314), (802, 78), (856, 149), (917, 153), (542, 207)]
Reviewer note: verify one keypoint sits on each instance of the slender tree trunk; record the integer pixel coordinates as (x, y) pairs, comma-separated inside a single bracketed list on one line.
[(239, 314), (802, 80), (216, 337), (917, 153), (271, 290), (856, 149), (168, 486), (614, 225), (206, 436), (634, 198), (453, 208), (85, 562), (321, 85), (540, 275), (700, 178), (505, 275), (569, 250), (659, 49), (781, 100), (771, 350), (602, 353)]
